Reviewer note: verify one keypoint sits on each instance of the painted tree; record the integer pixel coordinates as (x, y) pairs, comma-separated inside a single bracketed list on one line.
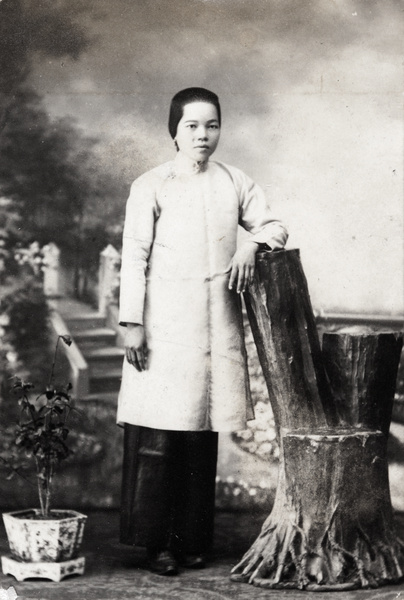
[(29, 29), (50, 177)]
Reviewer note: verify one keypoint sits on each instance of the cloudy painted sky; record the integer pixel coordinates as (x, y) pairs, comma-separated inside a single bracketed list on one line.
[(312, 96)]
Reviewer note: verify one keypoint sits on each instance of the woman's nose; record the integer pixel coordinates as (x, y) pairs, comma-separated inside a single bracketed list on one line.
[(202, 134)]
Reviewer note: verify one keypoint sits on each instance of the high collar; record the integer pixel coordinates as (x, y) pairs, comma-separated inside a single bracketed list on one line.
[(184, 164)]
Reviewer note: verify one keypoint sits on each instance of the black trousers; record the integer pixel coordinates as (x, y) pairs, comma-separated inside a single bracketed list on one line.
[(168, 488)]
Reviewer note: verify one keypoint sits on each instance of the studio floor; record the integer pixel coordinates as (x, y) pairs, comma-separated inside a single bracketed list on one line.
[(117, 572)]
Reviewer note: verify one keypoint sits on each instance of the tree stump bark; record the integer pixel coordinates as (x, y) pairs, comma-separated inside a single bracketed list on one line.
[(362, 369), (336, 531), (331, 526), (285, 333)]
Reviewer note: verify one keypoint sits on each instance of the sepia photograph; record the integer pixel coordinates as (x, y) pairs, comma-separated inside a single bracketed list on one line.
[(201, 299)]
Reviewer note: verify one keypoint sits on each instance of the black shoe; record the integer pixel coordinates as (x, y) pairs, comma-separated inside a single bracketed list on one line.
[(162, 562), (193, 561)]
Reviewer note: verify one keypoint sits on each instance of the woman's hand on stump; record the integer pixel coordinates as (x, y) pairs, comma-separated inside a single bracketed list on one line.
[(136, 346), (243, 266)]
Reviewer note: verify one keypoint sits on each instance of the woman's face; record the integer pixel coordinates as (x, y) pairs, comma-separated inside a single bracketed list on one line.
[(198, 131)]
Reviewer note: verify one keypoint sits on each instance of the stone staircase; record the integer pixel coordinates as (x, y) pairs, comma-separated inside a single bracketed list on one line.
[(98, 345)]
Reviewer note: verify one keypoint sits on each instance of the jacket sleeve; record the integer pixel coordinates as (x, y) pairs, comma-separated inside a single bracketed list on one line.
[(256, 216), (138, 235)]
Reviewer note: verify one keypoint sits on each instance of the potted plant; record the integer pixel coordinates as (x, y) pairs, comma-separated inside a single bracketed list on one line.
[(43, 542)]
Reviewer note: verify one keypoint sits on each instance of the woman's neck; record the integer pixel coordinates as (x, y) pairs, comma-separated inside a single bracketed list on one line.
[(185, 164)]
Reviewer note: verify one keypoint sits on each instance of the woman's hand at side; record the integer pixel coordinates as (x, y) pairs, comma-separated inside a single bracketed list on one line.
[(136, 346), (243, 266)]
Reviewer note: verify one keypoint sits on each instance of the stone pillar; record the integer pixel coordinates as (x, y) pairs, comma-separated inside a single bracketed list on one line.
[(52, 279), (107, 276)]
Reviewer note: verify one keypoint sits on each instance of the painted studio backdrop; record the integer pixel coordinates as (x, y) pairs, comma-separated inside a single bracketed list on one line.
[(312, 110)]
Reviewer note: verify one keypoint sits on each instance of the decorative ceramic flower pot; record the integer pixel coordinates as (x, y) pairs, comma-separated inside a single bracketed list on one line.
[(34, 539)]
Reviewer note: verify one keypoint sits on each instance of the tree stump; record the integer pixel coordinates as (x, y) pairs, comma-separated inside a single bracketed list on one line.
[(331, 526), (336, 530), (362, 369), (285, 333)]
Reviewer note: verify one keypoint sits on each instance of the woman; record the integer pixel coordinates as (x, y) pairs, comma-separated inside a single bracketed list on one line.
[(184, 376)]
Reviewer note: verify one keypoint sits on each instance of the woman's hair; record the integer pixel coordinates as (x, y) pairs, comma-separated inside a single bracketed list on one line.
[(187, 96)]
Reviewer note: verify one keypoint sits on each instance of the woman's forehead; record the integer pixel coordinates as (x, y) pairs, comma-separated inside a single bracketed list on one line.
[(200, 110)]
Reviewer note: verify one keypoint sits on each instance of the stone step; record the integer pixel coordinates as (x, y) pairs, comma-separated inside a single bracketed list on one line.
[(95, 337), (107, 380), (105, 397), (101, 359), (85, 321), (105, 353)]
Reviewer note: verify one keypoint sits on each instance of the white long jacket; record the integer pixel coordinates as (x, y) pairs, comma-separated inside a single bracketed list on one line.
[(179, 237)]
